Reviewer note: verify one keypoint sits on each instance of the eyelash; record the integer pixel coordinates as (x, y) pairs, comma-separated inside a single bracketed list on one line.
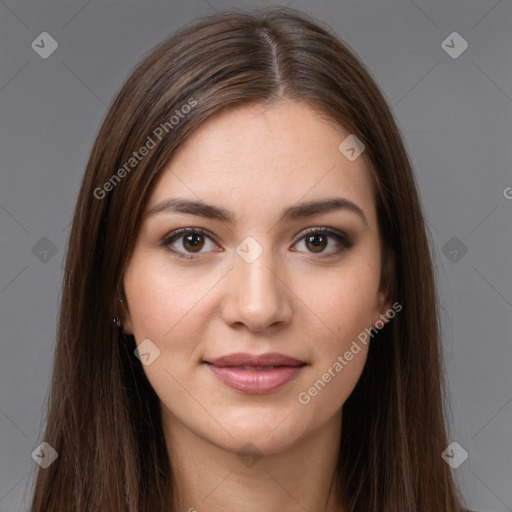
[(339, 236)]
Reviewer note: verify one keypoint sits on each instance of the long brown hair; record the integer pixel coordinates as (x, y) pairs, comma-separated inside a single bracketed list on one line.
[(103, 415)]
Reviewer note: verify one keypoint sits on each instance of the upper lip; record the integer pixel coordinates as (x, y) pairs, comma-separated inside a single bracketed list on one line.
[(244, 359)]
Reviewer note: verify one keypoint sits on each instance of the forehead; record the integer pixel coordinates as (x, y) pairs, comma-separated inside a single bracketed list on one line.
[(266, 158)]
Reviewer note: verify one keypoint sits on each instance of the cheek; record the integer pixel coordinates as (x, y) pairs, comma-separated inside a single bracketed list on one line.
[(161, 299), (345, 301), (345, 304), (162, 309)]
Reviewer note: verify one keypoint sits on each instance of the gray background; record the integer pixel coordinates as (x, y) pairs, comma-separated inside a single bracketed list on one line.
[(456, 118)]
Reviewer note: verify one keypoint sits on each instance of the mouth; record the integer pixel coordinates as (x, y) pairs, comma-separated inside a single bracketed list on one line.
[(242, 359), (255, 374)]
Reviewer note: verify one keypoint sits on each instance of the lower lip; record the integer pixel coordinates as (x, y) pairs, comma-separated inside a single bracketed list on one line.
[(255, 381)]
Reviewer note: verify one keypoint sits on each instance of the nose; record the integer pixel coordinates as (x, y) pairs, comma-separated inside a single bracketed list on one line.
[(257, 294)]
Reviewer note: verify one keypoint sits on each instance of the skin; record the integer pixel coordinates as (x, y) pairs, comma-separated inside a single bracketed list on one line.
[(296, 299)]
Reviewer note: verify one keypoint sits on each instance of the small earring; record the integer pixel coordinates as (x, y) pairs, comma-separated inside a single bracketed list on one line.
[(117, 321)]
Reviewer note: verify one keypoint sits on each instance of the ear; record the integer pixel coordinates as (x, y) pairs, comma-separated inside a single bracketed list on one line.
[(386, 285), (124, 314)]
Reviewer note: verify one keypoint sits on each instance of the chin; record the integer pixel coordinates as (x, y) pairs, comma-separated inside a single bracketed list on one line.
[(267, 435), (256, 444)]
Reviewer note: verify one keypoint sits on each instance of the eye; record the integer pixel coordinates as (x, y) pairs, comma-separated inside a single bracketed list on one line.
[(317, 239), (193, 240)]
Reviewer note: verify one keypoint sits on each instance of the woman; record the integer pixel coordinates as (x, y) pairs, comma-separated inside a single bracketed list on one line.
[(249, 315)]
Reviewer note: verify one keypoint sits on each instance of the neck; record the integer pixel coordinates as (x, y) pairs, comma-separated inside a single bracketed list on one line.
[(209, 477)]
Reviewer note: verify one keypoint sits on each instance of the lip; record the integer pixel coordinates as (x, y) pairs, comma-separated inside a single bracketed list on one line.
[(244, 359), (230, 370)]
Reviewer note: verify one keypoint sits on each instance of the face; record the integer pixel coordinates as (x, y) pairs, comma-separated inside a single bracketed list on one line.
[(248, 277)]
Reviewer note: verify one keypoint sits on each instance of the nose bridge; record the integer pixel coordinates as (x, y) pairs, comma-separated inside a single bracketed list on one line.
[(258, 296)]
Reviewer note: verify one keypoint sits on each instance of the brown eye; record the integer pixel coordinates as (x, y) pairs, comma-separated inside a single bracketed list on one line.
[(193, 242), (316, 242)]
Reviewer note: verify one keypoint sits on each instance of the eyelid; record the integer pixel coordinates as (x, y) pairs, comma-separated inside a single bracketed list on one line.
[(185, 231), (342, 238), (336, 233)]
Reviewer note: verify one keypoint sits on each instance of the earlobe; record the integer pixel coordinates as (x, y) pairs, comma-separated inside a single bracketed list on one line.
[(387, 287), (125, 317), (383, 315)]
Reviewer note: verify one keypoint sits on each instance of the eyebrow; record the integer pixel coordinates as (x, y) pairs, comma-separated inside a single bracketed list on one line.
[(300, 211)]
